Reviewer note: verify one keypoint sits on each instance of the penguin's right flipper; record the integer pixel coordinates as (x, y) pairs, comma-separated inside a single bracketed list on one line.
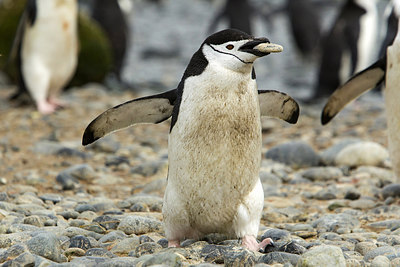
[(149, 109), (361, 82), (278, 105)]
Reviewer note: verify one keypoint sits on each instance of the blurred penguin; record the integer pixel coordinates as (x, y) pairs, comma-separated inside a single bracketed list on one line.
[(109, 15), (46, 49), (238, 13), (391, 18), (349, 46), (305, 25)]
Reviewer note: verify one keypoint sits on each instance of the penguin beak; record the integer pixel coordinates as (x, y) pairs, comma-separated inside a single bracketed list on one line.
[(260, 47)]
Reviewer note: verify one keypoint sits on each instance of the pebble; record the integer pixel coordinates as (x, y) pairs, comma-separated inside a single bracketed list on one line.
[(295, 154), (391, 190), (46, 245), (362, 153), (329, 256), (329, 155), (139, 225)]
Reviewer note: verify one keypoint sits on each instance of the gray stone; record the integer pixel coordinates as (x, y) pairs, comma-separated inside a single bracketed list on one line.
[(88, 261), (238, 257), (364, 247), (99, 252), (388, 224), (295, 154), (7, 240), (331, 222), (149, 168), (69, 214), (386, 250), (58, 149), (106, 145), (380, 261), (113, 160), (85, 207), (139, 225), (112, 236), (279, 257), (55, 198), (82, 172), (352, 194), (126, 245), (147, 248), (328, 256), (119, 262), (362, 153), (162, 258), (81, 242), (329, 155), (363, 203), (149, 200), (322, 173), (25, 259), (276, 235), (108, 222), (67, 181), (391, 190), (46, 245)]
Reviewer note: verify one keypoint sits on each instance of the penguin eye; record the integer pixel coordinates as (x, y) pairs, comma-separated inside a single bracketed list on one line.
[(229, 47)]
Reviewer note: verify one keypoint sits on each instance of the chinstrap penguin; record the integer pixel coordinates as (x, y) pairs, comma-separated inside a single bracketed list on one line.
[(348, 47), (46, 49), (385, 69), (214, 146)]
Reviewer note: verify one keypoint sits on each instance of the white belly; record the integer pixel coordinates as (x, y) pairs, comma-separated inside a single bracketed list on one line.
[(392, 98), (214, 156), (49, 48)]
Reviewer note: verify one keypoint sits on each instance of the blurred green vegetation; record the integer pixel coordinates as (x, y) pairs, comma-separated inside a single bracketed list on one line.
[(95, 56)]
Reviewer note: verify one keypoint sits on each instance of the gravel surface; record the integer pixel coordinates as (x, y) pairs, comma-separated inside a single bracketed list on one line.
[(331, 198)]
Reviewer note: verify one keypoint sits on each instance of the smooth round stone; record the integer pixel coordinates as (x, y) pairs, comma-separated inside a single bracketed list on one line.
[(331, 222), (74, 252), (362, 153), (276, 235), (25, 259), (322, 173), (295, 154), (364, 247), (139, 225), (113, 236), (87, 215), (363, 204), (99, 252), (126, 245), (69, 214), (238, 257), (149, 200), (329, 155), (55, 198), (352, 194), (328, 256), (84, 207), (46, 245), (82, 172), (113, 160), (162, 258), (34, 220), (279, 257), (149, 168), (67, 181), (391, 190), (81, 242), (386, 250), (380, 261), (106, 145), (145, 238), (89, 261), (147, 248), (108, 222)]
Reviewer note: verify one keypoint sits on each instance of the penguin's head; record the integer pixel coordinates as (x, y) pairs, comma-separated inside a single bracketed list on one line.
[(236, 50)]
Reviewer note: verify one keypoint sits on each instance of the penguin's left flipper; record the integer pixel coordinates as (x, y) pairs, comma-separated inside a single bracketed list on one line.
[(149, 109), (278, 105), (361, 82)]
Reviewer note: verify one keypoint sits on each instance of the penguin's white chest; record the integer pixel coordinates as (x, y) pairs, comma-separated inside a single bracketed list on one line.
[(215, 149)]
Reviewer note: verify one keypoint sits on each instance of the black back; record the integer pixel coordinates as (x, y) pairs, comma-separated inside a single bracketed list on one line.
[(238, 13), (109, 15), (342, 38), (31, 9), (305, 24), (391, 32)]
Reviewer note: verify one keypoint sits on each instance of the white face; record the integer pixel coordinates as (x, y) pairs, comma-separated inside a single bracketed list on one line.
[(229, 56)]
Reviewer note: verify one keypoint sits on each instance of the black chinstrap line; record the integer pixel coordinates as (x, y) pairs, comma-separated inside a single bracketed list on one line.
[(245, 62)]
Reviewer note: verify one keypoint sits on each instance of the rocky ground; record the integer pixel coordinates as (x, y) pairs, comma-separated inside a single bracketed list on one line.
[(330, 195)]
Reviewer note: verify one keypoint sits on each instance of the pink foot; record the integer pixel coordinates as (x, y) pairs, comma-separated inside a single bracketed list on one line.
[(174, 244), (46, 107), (250, 242)]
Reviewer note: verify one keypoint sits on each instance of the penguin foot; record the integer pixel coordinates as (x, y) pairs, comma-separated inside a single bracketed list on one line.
[(46, 107), (174, 244), (250, 242)]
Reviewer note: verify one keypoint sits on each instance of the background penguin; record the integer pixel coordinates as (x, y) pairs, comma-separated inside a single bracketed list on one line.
[(368, 79), (46, 47), (238, 13), (349, 46), (215, 138), (109, 15), (391, 17), (305, 25)]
